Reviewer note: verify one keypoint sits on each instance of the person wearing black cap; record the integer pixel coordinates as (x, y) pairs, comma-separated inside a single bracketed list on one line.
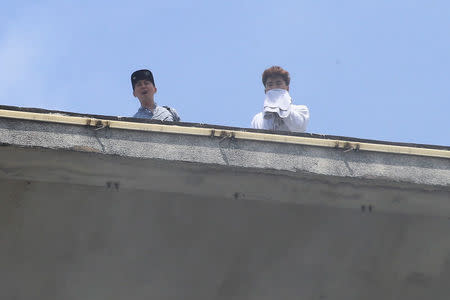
[(144, 89)]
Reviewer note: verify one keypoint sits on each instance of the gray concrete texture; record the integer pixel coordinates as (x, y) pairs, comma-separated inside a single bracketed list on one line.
[(228, 152), (60, 241), (116, 214)]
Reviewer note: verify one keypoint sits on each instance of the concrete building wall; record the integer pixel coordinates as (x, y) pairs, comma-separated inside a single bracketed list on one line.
[(114, 214), (62, 241)]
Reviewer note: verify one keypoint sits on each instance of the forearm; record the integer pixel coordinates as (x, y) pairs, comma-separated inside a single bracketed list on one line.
[(298, 119)]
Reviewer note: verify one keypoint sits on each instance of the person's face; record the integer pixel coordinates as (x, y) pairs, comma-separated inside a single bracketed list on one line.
[(276, 82), (144, 89)]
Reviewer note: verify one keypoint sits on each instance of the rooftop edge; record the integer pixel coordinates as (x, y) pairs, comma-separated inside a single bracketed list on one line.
[(329, 141)]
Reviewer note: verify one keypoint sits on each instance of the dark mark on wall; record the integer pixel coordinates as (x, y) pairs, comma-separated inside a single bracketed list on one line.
[(113, 184)]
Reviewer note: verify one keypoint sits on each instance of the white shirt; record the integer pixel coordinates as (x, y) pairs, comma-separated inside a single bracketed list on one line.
[(159, 113), (296, 121)]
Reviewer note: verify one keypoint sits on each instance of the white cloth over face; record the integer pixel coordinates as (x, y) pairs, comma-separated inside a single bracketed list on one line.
[(280, 114), (278, 101)]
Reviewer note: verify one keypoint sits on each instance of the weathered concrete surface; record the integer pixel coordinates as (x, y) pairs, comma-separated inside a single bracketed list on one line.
[(114, 214), (229, 183), (226, 152), (61, 241)]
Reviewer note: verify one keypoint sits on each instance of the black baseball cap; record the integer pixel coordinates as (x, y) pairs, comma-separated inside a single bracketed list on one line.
[(140, 75)]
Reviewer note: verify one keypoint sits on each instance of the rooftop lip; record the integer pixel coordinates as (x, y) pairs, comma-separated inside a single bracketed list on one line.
[(220, 127)]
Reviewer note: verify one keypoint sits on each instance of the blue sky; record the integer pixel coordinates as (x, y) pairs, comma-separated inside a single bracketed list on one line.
[(367, 69)]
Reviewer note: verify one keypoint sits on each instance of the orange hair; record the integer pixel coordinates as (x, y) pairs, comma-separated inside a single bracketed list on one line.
[(276, 71)]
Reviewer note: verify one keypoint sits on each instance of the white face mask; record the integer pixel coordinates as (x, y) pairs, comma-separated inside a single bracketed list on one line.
[(279, 101)]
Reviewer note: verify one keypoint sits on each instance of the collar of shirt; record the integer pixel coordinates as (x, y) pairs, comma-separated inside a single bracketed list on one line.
[(146, 110)]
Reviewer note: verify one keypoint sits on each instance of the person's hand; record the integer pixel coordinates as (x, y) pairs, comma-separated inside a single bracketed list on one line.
[(270, 115)]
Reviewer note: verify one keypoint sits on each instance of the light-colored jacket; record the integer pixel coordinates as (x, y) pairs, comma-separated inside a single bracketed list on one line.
[(296, 121), (159, 113)]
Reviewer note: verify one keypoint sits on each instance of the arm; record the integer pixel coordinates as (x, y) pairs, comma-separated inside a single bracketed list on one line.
[(163, 114), (257, 122), (298, 118)]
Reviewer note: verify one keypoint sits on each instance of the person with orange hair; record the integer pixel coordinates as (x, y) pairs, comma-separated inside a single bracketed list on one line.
[(278, 111)]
